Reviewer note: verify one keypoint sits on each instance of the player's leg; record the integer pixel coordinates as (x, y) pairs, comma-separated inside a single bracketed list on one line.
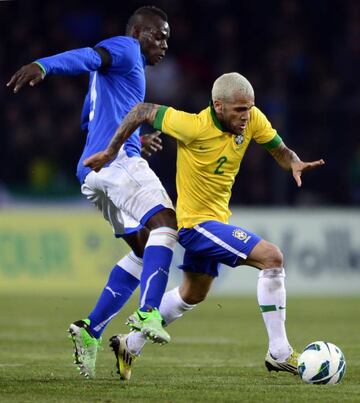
[(156, 262), (271, 296), (234, 246), (158, 254), (174, 304), (142, 196)]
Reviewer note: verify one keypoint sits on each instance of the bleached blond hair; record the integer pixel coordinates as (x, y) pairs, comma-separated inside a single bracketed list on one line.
[(228, 85)]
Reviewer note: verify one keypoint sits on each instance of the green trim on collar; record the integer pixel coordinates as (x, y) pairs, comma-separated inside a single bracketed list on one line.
[(273, 143), (214, 117), (41, 66), (159, 117)]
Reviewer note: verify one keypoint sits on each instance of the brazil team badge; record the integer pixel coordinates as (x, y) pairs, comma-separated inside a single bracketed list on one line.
[(239, 234), (239, 139)]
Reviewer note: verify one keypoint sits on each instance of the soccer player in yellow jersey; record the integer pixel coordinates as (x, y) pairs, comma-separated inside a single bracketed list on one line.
[(211, 146)]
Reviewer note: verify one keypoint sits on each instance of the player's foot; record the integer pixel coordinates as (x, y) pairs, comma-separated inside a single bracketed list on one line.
[(150, 324), (289, 365), (85, 347), (124, 359)]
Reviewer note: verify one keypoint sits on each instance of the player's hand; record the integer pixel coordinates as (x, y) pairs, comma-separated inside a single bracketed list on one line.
[(30, 73), (151, 143), (98, 160), (299, 166)]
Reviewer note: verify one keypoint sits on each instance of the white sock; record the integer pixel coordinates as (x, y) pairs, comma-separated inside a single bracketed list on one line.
[(271, 296), (171, 308)]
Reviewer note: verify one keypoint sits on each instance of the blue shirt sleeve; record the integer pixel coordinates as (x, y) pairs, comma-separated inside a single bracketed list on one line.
[(124, 51), (71, 62)]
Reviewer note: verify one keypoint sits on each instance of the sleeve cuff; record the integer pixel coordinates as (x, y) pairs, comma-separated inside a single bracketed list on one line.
[(41, 67), (159, 117), (273, 143)]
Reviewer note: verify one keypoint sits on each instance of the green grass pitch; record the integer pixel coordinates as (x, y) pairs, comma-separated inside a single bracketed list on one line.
[(216, 354)]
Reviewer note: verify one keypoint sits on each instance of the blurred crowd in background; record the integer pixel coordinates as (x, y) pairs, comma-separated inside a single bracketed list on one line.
[(302, 58)]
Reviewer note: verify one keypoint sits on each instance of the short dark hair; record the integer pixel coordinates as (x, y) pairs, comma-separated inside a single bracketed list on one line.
[(145, 11)]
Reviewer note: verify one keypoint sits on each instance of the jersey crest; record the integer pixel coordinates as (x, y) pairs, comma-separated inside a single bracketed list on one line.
[(239, 139)]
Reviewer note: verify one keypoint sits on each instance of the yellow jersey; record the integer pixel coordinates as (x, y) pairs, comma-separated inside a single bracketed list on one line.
[(208, 160)]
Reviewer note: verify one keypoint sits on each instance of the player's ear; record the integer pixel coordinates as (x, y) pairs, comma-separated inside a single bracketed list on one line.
[(217, 106), (135, 31)]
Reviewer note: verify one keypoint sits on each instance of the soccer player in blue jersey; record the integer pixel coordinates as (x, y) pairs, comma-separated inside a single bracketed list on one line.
[(210, 149), (126, 191)]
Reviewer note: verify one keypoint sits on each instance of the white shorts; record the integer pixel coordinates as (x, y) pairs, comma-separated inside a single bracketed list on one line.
[(127, 192)]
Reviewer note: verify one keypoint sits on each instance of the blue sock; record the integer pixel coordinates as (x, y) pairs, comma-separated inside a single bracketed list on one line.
[(118, 290), (156, 262)]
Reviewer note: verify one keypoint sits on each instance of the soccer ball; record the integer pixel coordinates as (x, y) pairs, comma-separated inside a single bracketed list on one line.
[(321, 363)]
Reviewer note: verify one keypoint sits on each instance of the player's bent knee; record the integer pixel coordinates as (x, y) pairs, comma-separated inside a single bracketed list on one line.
[(273, 257), (277, 257)]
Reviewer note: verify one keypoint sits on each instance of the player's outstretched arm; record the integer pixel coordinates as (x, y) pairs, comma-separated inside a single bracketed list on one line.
[(71, 62), (139, 114), (30, 73), (288, 160)]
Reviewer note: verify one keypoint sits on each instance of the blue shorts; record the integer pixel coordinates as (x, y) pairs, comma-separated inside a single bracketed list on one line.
[(210, 243)]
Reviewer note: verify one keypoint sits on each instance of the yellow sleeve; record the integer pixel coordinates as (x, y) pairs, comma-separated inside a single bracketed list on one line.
[(181, 125), (263, 132)]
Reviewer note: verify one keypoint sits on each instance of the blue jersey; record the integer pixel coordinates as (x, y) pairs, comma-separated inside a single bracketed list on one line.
[(112, 92)]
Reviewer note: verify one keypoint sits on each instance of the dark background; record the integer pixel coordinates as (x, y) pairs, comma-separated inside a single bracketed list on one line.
[(302, 58)]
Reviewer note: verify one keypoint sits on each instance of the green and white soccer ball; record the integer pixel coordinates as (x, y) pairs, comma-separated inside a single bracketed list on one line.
[(321, 363)]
